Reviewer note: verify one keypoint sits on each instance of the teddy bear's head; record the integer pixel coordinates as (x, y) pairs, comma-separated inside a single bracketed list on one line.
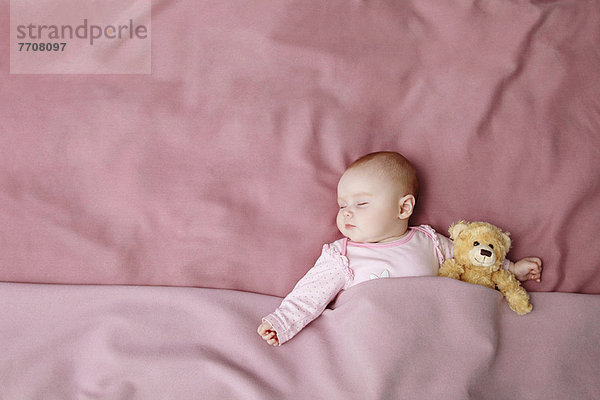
[(479, 244)]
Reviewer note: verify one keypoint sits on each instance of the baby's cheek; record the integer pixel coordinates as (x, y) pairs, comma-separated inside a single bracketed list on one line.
[(339, 220)]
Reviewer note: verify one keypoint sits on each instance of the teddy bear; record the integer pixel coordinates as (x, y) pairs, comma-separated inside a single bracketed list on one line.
[(479, 252)]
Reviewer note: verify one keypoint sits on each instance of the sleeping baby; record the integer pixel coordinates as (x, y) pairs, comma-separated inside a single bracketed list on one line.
[(376, 196)]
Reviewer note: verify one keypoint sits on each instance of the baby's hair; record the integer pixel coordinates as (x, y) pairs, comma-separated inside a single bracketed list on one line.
[(395, 166)]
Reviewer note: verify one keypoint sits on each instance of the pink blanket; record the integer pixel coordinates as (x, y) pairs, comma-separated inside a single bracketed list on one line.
[(407, 338)]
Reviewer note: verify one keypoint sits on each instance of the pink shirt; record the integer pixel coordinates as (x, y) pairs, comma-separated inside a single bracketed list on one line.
[(344, 263)]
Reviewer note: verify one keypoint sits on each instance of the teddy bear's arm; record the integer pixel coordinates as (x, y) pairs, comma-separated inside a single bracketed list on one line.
[(516, 296), (451, 269)]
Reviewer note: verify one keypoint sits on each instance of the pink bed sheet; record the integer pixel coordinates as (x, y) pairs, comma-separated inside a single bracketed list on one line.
[(407, 338), (219, 168)]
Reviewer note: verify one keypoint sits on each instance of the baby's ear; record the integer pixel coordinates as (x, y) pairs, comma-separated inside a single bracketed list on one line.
[(456, 229), (406, 206)]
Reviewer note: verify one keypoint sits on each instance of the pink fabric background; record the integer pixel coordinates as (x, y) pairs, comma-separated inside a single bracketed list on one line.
[(219, 169)]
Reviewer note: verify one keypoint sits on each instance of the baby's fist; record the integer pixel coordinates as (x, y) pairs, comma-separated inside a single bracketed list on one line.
[(528, 268), (266, 331)]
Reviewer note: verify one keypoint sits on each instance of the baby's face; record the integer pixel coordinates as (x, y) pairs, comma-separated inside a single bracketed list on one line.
[(369, 207)]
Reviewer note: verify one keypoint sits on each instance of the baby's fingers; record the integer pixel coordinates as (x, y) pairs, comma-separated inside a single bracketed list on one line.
[(537, 261), (264, 328), (537, 271), (271, 338)]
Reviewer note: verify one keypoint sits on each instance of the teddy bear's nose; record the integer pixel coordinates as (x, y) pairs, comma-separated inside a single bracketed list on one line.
[(486, 253)]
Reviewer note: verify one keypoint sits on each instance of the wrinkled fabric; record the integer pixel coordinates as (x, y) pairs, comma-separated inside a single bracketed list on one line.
[(219, 168), (403, 338)]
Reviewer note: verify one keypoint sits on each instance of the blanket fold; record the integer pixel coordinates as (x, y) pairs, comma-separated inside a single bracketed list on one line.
[(409, 338)]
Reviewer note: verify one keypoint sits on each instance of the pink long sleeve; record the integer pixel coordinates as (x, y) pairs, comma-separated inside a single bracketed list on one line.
[(445, 246), (311, 294)]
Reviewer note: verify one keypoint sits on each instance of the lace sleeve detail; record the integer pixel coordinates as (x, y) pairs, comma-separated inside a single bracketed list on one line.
[(331, 253), (436, 239)]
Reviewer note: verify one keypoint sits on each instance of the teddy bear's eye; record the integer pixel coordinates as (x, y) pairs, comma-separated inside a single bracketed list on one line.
[(492, 246), (475, 244)]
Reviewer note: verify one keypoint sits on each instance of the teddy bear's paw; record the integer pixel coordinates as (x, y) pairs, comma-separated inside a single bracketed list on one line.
[(450, 274), (451, 270), (521, 308)]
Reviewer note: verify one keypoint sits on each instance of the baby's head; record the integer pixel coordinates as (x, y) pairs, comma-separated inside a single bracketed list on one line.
[(377, 195)]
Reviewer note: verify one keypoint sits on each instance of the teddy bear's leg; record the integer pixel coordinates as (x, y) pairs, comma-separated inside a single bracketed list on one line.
[(516, 296), (451, 269), (519, 301)]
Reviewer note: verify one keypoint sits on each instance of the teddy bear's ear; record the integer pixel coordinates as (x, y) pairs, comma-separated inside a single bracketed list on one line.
[(457, 228), (506, 240)]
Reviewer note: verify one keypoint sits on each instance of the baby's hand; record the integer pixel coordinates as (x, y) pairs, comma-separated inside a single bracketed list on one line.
[(266, 331), (528, 268)]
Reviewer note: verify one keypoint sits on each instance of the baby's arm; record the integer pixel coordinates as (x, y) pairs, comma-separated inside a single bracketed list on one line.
[(307, 300), (528, 268)]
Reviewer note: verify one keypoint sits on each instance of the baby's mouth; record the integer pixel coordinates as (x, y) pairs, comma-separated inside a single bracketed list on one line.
[(349, 226)]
